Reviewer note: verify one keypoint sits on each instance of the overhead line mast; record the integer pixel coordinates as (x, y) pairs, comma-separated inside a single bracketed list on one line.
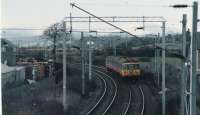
[(73, 5)]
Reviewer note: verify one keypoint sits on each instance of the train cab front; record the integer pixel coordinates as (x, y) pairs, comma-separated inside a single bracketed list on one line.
[(133, 70)]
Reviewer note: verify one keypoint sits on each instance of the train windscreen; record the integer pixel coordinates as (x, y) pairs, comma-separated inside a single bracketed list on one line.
[(133, 66)]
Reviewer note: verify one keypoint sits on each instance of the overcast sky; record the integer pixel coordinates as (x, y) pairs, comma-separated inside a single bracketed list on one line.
[(42, 13)]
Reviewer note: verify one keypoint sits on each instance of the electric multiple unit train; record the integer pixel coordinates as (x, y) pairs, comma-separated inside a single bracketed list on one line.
[(125, 66)]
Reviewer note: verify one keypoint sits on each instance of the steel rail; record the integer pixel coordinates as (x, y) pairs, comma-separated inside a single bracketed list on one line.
[(102, 96), (116, 90), (130, 94), (100, 99), (129, 103), (142, 111), (142, 93)]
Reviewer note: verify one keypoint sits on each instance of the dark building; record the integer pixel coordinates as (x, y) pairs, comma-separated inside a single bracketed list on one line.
[(8, 52), (198, 51), (198, 40)]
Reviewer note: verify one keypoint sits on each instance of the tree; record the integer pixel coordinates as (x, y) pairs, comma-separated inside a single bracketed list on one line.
[(53, 33)]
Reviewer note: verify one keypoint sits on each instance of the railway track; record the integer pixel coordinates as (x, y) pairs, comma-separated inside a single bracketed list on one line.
[(101, 97), (116, 99), (143, 102), (138, 101), (123, 99), (109, 95), (129, 102), (141, 107)]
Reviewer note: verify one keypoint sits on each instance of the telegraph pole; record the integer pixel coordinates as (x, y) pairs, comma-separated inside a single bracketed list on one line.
[(163, 69), (89, 23), (193, 67), (90, 59), (110, 42), (83, 65), (158, 62), (115, 50), (155, 57), (70, 30), (183, 76), (65, 106), (126, 41)]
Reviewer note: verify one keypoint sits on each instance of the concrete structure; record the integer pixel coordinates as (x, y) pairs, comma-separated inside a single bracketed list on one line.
[(8, 53), (10, 75)]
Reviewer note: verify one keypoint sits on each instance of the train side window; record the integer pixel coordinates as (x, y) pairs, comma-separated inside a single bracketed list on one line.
[(130, 66)]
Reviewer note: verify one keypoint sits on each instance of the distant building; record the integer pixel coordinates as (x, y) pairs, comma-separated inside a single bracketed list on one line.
[(8, 53)]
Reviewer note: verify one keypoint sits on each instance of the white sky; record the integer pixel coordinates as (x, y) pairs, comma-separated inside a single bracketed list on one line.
[(43, 13)]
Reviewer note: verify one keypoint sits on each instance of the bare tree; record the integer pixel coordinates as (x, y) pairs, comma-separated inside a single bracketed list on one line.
[(53, 34)]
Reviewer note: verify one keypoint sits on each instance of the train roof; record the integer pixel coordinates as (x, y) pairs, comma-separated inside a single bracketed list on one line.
[(123, 59)]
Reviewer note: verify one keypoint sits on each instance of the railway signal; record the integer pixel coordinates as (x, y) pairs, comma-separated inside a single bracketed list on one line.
[(90, 43)]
